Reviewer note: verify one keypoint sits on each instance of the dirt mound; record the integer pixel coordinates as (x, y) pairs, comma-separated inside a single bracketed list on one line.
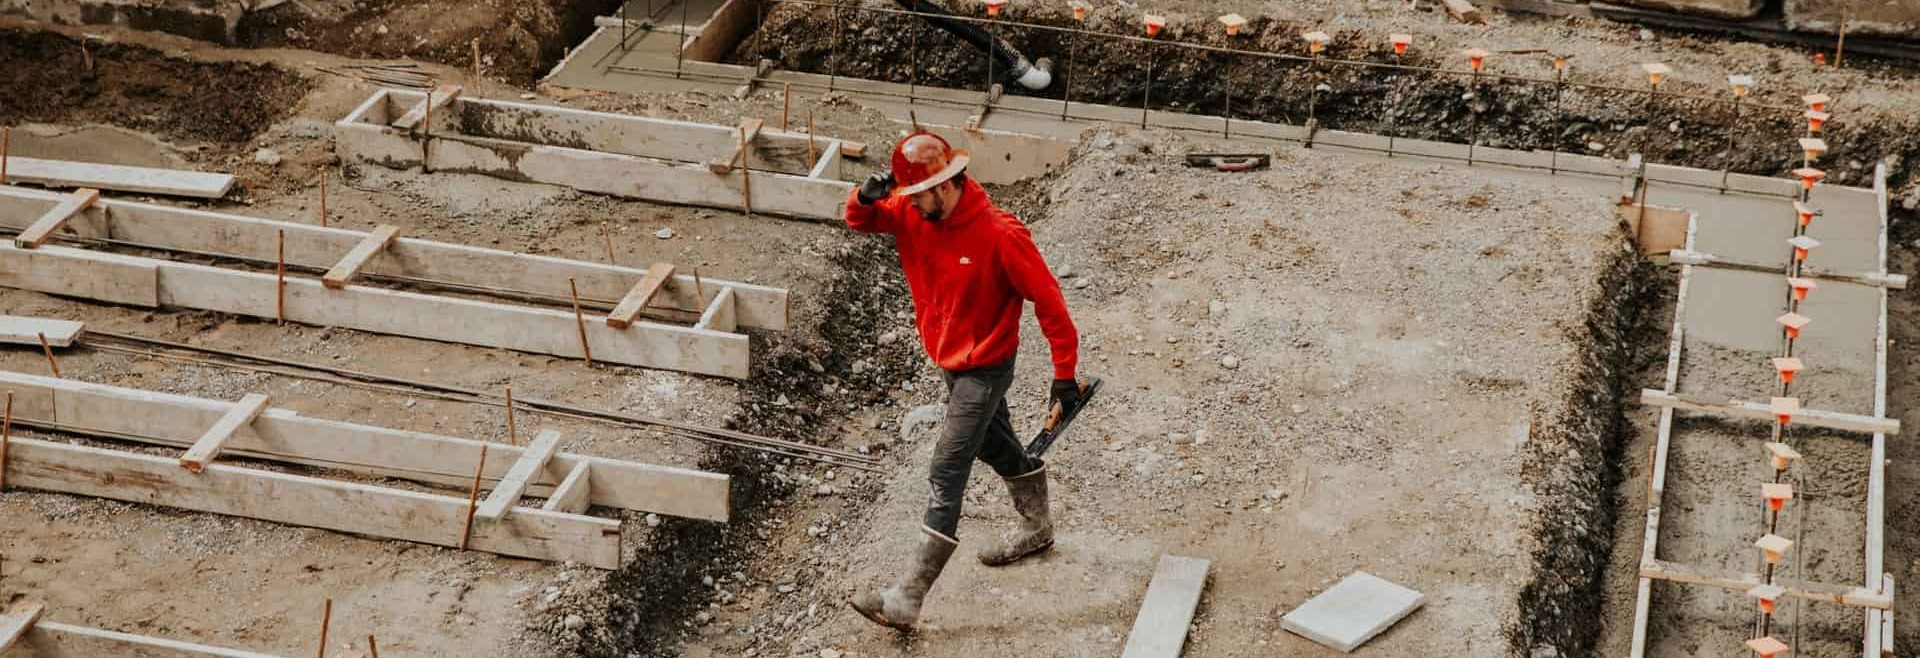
[(54, 79), (519, 40)]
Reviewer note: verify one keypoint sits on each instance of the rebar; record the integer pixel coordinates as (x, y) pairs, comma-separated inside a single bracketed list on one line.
[(1726, 166)]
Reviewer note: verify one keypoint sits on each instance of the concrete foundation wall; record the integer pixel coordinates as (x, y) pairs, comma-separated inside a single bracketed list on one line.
[(1715, 8), (1897, 18), (209, 20)]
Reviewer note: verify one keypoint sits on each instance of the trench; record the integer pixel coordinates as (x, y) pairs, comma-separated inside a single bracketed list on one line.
[(1439, 106), (654, 598), (522, 40)]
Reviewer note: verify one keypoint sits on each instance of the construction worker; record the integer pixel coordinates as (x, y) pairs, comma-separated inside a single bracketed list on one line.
[(971, 268)]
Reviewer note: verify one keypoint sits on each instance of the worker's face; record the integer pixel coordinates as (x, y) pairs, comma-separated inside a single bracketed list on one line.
[(934, 204)]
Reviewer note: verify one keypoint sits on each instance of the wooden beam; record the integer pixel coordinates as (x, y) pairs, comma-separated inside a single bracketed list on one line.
[(18, 618), (305, 501), (571, 496), (720, 314), (24, 330), (1877, 279), (1810, 591), (532, 463), (209, 445), (106, 277), (350, 264), (1160, 630), (42, 229), (748, 131), (138, 180), (281, 435), (56, 640), (434, 317), (761, 307), (642, 294), (1761, 411), (828, 165), (440, 98)]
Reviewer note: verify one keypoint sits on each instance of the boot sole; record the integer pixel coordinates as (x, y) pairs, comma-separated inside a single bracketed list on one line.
[(876, 618), (1001, 563)]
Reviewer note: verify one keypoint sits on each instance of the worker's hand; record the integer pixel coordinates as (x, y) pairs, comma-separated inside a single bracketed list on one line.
[(1066, 394), (877, 187)]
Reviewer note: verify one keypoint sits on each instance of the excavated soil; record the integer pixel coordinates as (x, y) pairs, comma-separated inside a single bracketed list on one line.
[(55, 79), (519, 40), (1450, 106)]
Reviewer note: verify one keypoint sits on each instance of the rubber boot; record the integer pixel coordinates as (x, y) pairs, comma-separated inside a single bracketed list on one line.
[(1035, 533), (899, 606)]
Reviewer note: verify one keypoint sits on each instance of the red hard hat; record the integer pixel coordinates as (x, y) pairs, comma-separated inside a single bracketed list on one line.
[(924, 160)]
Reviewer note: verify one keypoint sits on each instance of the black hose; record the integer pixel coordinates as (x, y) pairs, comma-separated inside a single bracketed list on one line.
[(1011, 61)]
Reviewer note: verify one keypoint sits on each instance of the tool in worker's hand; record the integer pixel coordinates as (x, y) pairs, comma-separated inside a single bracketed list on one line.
[(1058, 419), (1230, 161)]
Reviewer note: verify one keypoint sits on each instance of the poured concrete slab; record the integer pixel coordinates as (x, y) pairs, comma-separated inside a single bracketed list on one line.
[(1352, 612)]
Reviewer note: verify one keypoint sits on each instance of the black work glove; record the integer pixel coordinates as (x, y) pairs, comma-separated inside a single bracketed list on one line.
[(1066, 394), (877, 187)]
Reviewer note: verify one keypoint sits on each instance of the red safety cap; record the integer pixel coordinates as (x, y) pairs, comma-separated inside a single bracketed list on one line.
[(924, 160)]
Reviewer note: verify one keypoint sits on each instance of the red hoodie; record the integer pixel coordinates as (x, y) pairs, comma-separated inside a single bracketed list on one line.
[(970, 274)]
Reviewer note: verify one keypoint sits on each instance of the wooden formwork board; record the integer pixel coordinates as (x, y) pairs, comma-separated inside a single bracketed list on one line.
[(760, 307), (666, 177), (282, 435), (139, 180), (151, 282), (382, 512)]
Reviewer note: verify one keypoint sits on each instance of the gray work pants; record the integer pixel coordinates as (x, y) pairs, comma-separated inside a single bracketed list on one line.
[(977, 426)]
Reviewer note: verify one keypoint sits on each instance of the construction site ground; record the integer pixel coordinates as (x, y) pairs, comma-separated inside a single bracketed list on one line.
[(1343, 363)]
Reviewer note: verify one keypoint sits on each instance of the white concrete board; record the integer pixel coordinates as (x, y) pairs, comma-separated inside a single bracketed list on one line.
[(1351, 612)]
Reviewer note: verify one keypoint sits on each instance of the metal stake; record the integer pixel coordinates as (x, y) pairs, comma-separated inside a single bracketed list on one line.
[(326, 619), (280, 281), (680, 51), (579, 322), (606, 237), (44, 347), (473, 498), (1066, 80), (6, 141), (833, 61), (1473, 117), (1559, 91), (1313, 97), (1399, 89), (513, 434), (6, 434), (1726, 166), (913, 59), (1147, 98)]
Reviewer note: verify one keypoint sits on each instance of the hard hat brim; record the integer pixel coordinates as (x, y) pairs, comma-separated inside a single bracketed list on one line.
[(955, 162)]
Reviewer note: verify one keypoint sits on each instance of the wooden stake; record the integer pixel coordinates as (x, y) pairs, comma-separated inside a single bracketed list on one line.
[(473, 498), (280, 281), (606, 237), (699, 290), (6, 434), (323, 196), (373, 648), (580, 321), (326, 619), (746, 180), (513, 437), (786, 106), (1840, 47), (44, 347)]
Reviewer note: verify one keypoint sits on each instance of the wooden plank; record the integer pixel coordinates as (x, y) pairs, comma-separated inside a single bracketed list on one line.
[(1810, 591), (1160, 629), (119, 178), (639, 178), (748, 131), (1657, 478), (208, 447), (528, 124), (350, 264), (642, 294), (1761, 411), (571, 496), (1876, 279), (432, 317), (23, 330), (760, 307), (828, 165), (281, 435), (719, 315), (18, 618), (1464, 11), (298, 500), (42, 229), (532, 463), (58, 270), (440, 98), (56, 640)]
